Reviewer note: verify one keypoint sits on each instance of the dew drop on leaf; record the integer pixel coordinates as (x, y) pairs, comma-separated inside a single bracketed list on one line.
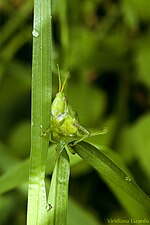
[(35, 33), (49, 207), (128, 179)]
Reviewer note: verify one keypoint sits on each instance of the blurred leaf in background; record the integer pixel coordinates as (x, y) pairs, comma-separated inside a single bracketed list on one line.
[(105, 46)]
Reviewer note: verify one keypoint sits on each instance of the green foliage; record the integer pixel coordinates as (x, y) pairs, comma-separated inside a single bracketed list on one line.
[(105, 47)]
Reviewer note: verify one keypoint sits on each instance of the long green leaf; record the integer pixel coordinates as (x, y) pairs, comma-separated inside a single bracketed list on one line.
[(58, 195), (41, 98), (112, 172), (132, 207)]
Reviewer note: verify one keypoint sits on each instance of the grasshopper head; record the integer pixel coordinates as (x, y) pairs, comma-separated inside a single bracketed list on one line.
[(59, 103)]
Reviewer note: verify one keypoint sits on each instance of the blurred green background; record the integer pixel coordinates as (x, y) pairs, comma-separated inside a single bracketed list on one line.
[(105, 44)]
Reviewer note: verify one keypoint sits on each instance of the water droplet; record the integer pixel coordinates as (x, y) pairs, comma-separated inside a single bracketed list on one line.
[(41, 125), (35, 33), (48, 207), (32, 123), (61, 180), (128, 179)]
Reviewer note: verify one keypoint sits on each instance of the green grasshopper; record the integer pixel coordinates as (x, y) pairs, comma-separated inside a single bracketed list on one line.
[(65, 127)]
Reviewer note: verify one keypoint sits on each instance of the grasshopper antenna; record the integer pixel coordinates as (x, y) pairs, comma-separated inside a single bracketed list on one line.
[(61, 86), (66, 78), (59, 80)]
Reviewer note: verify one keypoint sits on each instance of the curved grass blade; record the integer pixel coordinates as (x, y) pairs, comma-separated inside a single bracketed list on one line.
[(131, 206), (112, 172)]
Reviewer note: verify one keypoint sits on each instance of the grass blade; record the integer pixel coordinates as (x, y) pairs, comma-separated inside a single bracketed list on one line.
[(41, 98), (112, 172), (58, 195)]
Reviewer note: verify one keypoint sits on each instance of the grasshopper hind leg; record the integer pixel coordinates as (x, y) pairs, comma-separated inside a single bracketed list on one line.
[(89, 133), (85, 135)]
